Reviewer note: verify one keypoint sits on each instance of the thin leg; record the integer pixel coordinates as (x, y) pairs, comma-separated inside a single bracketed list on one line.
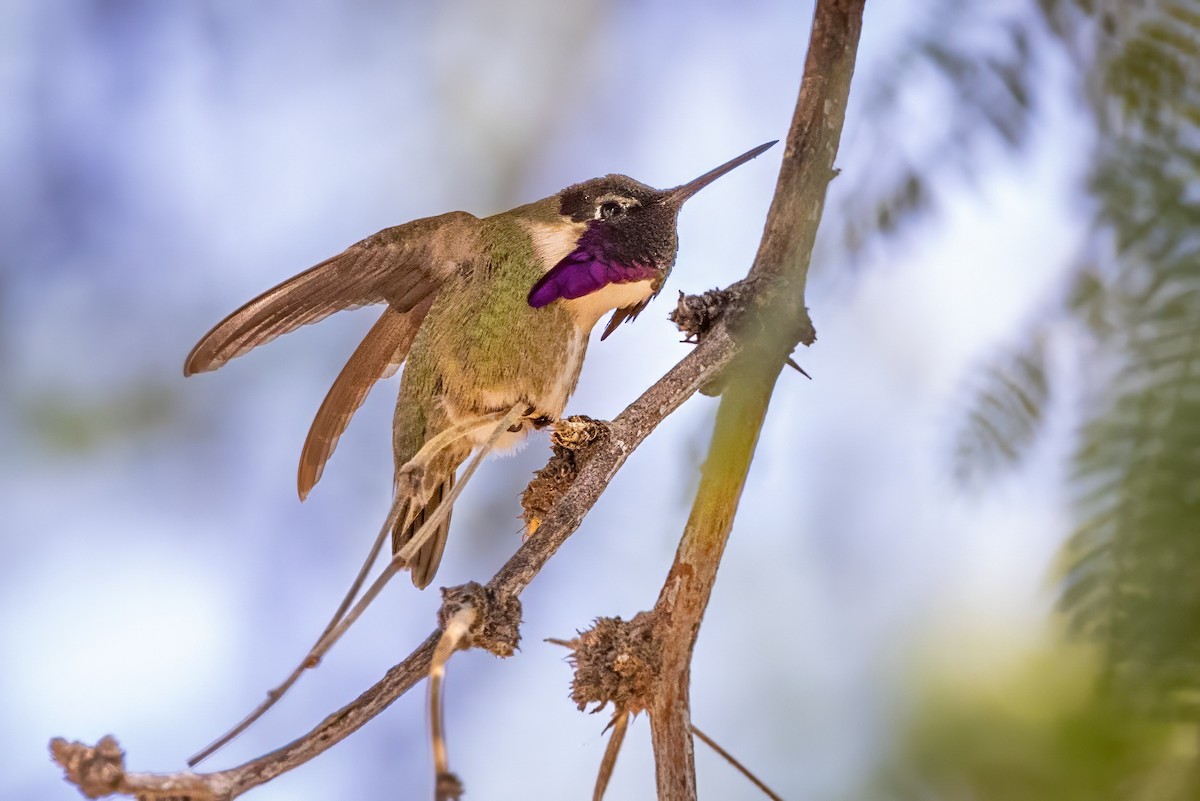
[(439, 514), (398, 560), (414, 469)]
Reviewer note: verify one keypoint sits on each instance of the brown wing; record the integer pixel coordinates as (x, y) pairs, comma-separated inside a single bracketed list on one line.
[(378, 356), (402, 266)]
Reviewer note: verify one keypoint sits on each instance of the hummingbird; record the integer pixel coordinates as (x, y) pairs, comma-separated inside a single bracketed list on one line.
[(489, 313)]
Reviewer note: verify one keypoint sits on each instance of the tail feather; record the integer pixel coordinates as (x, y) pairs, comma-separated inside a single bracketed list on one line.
[(379, 355), (425, 563)]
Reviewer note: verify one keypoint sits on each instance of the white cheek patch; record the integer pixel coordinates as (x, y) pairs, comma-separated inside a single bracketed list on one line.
[(553, 242)]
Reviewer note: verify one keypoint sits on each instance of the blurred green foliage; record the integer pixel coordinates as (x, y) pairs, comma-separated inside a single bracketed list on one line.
[(1006, 414), (1127, 726), (66, 424), (967, 73), (1037, 733)]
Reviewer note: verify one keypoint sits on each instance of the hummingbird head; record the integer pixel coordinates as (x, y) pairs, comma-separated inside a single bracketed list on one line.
[(629, 234)]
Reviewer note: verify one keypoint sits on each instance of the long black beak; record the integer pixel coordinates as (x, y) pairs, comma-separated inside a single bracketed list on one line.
[(675, 197)]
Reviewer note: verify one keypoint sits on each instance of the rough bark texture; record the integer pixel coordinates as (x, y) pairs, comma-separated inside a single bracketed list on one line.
[(769, 334)]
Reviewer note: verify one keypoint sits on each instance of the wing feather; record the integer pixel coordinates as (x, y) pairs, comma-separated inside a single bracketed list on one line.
[(402, 266), (378, 356)]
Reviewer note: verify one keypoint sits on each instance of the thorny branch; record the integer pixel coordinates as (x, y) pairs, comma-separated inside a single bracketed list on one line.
[(772, 294), (604, 458), (781, 322)]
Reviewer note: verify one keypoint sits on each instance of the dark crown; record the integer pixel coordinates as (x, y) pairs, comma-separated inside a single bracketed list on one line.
[(579, 201)]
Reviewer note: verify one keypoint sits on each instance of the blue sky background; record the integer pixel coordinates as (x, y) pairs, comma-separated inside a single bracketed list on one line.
[(165, 162)]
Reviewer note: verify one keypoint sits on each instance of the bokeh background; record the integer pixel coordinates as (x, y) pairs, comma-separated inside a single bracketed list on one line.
[(934, 585)]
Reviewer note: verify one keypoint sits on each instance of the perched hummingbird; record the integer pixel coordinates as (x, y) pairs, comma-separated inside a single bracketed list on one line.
[(489, 313)]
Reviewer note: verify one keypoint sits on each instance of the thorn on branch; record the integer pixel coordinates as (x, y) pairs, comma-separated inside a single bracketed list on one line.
[(616, 662), (695, 315), (792, 364), (571, 442)]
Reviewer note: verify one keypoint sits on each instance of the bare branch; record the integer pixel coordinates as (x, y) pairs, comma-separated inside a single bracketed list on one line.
[(455, 635), (605, 457), (770, 335), (774, 290), (742, 769), (619, 725), (345, 616)]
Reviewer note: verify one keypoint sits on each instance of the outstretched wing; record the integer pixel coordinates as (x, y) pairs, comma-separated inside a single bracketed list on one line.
[(401, 266), (378, 356)]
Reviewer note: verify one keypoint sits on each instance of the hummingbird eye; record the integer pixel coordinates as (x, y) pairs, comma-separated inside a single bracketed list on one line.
[(609, 210)]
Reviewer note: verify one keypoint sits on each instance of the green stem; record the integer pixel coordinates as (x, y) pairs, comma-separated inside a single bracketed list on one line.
[(768, 333), (689, 584)]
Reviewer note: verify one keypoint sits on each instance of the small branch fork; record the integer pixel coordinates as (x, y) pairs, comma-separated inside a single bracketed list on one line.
[(775, 321), (99, 770), (620, 662), (348, 611)]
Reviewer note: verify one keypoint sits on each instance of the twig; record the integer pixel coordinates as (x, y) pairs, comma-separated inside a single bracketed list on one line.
[(757, 782), (620, 724), (456, 635), (688, 586), (100, 771)]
